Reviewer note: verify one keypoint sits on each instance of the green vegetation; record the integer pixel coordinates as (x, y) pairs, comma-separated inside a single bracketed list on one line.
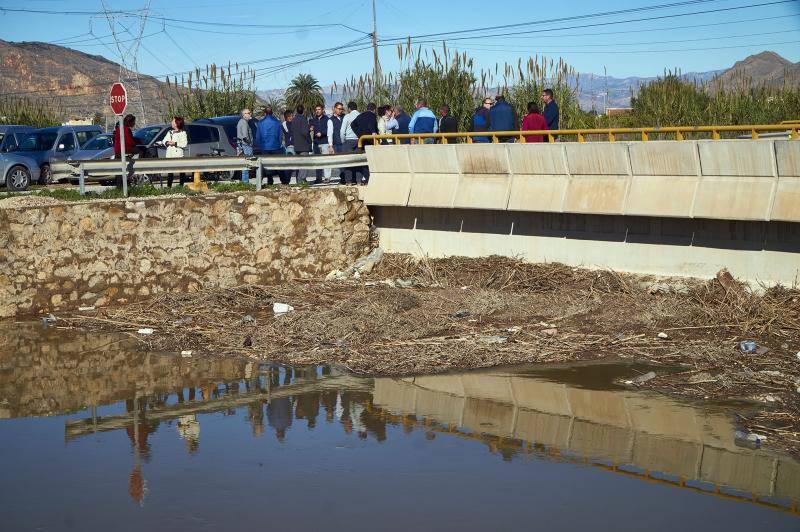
[(217, 91), (304, 90), (72, 194), (30, 112)]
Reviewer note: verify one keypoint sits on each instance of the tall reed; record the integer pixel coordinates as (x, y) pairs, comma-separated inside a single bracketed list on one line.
[(215, 91), (31, 112)]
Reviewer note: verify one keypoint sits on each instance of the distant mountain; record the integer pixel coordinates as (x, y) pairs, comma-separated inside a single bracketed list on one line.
[(766, 68), (46, 71)]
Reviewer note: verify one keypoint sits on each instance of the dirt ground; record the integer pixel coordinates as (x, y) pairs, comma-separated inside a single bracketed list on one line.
[(409, 317)]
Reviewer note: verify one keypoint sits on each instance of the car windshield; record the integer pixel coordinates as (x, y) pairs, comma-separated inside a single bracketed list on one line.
[(146, 134), (38, 142), (101, 142)]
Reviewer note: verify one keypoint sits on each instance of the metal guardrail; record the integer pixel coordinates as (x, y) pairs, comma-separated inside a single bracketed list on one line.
[(609, 134), (111, 168)]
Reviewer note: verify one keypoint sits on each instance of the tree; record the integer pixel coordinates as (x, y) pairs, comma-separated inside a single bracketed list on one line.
[(304, 90)]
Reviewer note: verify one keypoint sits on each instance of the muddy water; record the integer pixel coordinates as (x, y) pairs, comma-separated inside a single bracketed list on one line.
[(95, 435)]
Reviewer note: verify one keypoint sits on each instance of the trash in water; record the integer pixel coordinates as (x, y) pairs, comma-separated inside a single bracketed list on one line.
[(494, 339), (281, 308), (248, 319), (186, 354), (641, 379), (146, 330), (85, 309), (663, 335), (748, 346), (751, 440), (460, 314)]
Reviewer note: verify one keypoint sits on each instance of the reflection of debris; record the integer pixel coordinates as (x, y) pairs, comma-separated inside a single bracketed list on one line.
[(145, 330), (750, 440), (641, 379), (186, 354)]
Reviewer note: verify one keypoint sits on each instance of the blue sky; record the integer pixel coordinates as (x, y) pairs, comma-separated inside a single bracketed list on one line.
[(201, 31)]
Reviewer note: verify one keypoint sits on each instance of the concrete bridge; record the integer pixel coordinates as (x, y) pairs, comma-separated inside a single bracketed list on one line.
[(682, 208)]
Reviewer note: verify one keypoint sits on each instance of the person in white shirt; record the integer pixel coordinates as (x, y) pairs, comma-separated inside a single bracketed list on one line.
[(176, 142), (349, 141)]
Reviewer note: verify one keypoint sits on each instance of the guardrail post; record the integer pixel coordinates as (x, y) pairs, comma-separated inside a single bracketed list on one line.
[(645, 138), (715, 134), (581, 138), (679, 135), (259, 173), (793, 134), (754, 134), (611, 137), (81, 181), (550, 138), (495, 140)]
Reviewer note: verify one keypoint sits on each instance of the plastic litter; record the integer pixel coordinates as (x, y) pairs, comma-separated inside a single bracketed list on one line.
[(47, 319), (248, 319), (641, 379), (460, 314), (663, 335), (186, 354), (146, 330), (86, 309), (748, 347), (281, 308), (750, 440)]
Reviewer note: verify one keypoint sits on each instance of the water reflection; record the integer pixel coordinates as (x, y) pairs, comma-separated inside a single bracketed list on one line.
[(521, 414)]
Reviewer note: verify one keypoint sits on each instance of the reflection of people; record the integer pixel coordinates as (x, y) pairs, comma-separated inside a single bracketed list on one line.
[(255, 413), (279, 416), (189, 430), (137, 486)]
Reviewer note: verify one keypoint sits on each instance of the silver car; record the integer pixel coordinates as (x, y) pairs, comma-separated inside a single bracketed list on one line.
[(17, 171), (100, 147)]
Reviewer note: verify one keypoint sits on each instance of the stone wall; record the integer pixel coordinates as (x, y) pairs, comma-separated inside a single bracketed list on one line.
[(63, 256)]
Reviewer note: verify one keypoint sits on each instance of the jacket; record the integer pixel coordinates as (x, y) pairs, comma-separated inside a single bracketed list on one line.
[(423, 121), (268, 134), (551, 114), (288, 141), (243, 132), (130, 142), (347, 132), (365, 124), (534, 122), (448, 124), (182, 141), (481, 121), (335, 131), (502, 117), (320, 126), (301, 134)]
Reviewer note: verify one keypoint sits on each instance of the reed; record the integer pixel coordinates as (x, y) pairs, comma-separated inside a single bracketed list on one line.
[(214, 91), (31, 112)]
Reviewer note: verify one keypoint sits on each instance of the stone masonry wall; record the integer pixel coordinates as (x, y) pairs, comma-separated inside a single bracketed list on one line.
[(67, 255)]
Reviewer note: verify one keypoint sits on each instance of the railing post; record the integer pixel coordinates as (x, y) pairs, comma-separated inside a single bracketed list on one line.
[(494, 139), (522, 139), (793, 134), (611, 137), (550, 138), (581, 138), (645, 138), (82, 181), (754, 134), (259, 174), (679, 135), (469, 139), (715, 134)]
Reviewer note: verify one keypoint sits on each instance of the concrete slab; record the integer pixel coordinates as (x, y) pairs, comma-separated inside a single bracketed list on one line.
[(433, 158), (786, 207), (482, 191), (596, 194), (734, 198), (597, 158), (787, 153), (482, 159), (388, 158), (388, 189), (542, 428), (538, 193), (736, 158), (433, 190), (537, 159), (669, 196), (663, 158)]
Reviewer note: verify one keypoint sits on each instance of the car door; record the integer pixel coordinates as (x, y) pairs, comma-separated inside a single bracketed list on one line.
[(202, 139), (65, 146)]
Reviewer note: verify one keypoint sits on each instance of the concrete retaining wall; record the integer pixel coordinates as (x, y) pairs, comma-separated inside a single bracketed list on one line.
[(66, 255), (725, 179)]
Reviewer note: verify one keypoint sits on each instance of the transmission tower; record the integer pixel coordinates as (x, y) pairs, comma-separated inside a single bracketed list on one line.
[(128, 49)]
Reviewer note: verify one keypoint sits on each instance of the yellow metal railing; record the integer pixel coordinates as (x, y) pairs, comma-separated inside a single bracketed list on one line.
[(791, 128)]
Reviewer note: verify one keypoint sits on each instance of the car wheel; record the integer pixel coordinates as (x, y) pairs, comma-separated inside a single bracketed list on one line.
[(46, 176), (18, 178)]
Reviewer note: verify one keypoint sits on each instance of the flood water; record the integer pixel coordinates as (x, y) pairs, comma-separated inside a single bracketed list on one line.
[(96, 435)]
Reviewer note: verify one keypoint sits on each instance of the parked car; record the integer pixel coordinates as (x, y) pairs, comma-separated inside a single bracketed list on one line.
[(100, 147), (204, 138), (12, 135), (228, 123), (54, 144), (17, 171)]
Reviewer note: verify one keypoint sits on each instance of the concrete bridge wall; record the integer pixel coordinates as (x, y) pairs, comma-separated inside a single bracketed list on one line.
[(665, 207)]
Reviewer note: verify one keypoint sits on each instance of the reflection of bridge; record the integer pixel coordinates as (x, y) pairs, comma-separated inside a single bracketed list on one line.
[(632, 429), (87, 426), (661, 207)]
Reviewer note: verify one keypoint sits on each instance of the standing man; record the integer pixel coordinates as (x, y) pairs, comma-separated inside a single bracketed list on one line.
[(335, 131), (288, 142), (244, 140), (482, 120), (366, 124), (268, 140), (447, 122), (550, 109), (503, 118), (301, 136), (350, 140), (423, 121), (399, 124), (319, 128)]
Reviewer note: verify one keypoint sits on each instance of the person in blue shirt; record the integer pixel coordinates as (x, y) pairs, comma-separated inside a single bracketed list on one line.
[(503, 118), (550, 109), (423, 121), (268, 140)]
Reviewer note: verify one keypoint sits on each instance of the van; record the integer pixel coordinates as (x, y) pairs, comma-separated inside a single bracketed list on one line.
[(55, 144), (12, 135)]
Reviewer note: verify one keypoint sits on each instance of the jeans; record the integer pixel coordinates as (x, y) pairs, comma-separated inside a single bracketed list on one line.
[(321, 149), (247, 151), (347, 147)]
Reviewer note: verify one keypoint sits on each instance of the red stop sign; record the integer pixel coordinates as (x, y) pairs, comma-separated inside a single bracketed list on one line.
[(118, 98)]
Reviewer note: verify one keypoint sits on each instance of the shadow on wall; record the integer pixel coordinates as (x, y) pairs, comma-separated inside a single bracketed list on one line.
[(719, 234)]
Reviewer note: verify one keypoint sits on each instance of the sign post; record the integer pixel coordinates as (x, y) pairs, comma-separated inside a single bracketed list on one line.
[(118, 99)]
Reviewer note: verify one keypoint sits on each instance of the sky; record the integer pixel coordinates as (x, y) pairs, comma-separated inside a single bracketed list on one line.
[(690, 35)]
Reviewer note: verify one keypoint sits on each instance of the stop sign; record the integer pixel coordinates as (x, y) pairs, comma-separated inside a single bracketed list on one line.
[(118, 98)]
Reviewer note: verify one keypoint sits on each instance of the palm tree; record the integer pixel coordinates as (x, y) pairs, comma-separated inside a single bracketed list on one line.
[(304, 90)]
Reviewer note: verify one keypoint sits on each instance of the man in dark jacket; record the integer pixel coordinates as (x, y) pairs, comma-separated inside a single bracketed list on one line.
[(550, 109), (447, 122), (366, 124), (319, 127), (268, 139), (503, 118), (403, 120), (301, 136), (482, 120)]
